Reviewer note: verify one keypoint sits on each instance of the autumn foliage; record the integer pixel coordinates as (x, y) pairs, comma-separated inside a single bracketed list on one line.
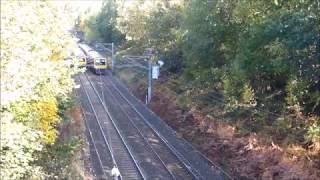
[(34, 79)]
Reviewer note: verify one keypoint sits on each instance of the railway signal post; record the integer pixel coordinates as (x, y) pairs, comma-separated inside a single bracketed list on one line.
[(149, 95), (153, 70)]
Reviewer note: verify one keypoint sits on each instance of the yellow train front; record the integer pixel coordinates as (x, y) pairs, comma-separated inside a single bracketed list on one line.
[(100, 65), (95, 61)]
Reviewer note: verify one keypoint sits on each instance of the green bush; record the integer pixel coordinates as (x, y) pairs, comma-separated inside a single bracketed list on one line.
[(20, 145), (313, 134), (56, 158), (34, 44)]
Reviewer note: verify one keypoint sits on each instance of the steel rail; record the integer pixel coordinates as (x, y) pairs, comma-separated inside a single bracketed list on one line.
[(94, 145), (140, 133), (186, 143), (91, 137), (185, 161), (100, 127), (148, 128), (163, 138), (117, 130), (96, 118)]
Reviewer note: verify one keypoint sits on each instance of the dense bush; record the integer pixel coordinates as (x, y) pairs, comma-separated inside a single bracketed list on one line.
[(34, 43), (264, 47), (268, 52), (19, 144)]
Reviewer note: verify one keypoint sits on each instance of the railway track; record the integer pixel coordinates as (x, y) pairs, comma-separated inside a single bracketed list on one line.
[(149, 163), (131, 131), (149, 140), (105, 137), (95, 139), (200, 166)]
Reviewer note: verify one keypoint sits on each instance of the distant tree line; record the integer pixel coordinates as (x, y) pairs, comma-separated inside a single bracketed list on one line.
[(101, 27)]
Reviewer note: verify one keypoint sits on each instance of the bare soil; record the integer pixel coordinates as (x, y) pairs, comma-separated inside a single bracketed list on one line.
[(80, 162), (242, 156)]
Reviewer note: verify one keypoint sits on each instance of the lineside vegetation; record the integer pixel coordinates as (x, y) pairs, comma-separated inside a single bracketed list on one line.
[(36, 83)]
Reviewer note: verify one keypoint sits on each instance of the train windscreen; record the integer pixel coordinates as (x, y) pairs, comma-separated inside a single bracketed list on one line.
[(100, 61)]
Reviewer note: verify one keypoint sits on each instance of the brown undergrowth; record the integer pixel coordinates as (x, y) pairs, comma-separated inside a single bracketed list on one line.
[(243, 156), (75, 129)]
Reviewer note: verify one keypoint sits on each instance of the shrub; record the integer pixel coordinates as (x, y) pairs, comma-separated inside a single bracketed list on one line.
[(313, 134), (19, 145), (48, 119), (34, 44)]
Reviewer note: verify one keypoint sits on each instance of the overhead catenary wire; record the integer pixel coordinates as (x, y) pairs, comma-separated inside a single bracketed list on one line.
[(222, 102), (131, 63)]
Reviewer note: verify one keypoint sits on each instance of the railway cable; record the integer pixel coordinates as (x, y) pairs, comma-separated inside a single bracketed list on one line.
[(222, 102)]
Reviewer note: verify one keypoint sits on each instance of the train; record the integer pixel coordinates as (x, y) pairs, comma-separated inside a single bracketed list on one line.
[(94, 60), (79, 54)]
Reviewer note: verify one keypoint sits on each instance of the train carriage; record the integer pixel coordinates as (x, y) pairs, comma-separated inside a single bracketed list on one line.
[(79, 54)]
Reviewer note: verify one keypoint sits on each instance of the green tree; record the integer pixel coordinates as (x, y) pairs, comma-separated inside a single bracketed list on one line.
[(107, 23), (156, 24), (34, 77), (102, 26), (255, 46)]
